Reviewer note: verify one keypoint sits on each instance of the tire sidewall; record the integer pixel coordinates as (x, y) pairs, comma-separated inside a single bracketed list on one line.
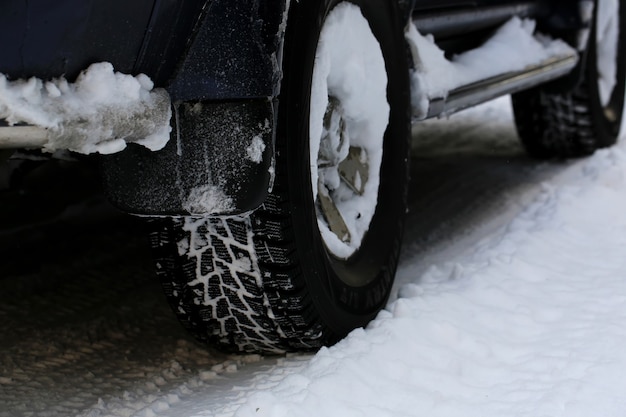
[(343, 307), (607, 130)]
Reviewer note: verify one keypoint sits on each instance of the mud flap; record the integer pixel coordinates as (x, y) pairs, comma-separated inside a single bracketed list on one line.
[(218, 161)]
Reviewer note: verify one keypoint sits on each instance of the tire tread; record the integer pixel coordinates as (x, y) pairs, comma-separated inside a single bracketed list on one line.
[(556, 125)]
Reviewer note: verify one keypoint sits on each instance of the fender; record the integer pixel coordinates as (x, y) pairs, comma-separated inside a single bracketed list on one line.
[(234, 54)]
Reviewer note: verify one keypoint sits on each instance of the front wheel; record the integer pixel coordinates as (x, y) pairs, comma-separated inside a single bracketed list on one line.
[(318, 258), (588, 117)]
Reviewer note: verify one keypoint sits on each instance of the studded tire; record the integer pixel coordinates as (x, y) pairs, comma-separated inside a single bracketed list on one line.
[(266, 282), (576, 122)]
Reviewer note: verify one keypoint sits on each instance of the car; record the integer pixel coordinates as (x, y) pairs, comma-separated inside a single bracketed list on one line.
[(266, 142)]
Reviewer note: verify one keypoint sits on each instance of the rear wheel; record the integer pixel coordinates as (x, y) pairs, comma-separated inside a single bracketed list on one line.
[(577, 122), (318, 258)]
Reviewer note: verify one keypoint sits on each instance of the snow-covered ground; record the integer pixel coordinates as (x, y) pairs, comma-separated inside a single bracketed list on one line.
[(510, 301)]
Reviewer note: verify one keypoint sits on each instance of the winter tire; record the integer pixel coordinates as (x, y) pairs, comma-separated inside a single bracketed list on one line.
[(577, 122), (318, 258)]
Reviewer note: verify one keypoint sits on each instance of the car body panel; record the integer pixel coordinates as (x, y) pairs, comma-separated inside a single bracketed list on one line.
[(199, 50), (50, 38)]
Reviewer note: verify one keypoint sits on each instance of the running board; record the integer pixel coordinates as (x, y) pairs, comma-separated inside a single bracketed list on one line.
[(22, 136), (445, 24), (490, 88)]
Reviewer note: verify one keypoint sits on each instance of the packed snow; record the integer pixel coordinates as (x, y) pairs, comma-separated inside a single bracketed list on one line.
[(208, 199), (352, 71), (100, 112), (255, 150), (510, 301), (513, 47)]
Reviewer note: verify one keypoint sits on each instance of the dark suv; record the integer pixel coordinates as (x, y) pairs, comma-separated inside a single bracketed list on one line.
[(268, 141)]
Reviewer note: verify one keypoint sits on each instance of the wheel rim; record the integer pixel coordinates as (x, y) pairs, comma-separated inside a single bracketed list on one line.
[(349, 114), (607, 48)]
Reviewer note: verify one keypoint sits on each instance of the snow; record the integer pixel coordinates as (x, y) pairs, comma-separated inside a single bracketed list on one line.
[(100, 112), (352, 71), (255, 150), (208, 199), (528, 324), (513, 47)]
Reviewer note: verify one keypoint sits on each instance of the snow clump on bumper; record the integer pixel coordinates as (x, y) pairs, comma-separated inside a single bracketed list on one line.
[(100, 112)]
